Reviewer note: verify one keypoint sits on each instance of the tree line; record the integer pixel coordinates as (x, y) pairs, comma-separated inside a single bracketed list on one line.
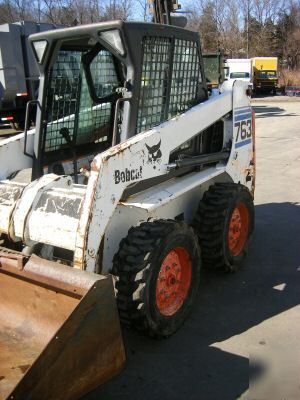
[(240, 28), (71, 12), (249, 28)]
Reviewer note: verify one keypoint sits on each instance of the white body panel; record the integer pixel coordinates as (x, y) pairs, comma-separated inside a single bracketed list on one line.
[(174, 199), (54, 211), (132, 156), (240, 165), (10, 192), (12, 154)]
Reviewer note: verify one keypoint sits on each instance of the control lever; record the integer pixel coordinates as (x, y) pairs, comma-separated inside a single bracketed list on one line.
[(65, 133)]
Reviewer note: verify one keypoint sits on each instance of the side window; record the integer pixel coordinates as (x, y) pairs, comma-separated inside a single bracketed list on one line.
[(104, 74), (69, 104), (163, 96), (154, 82), (94, 119), (186, 77), (62, 93)]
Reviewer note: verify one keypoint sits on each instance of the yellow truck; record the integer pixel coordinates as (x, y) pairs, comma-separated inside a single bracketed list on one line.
[(264, 73)]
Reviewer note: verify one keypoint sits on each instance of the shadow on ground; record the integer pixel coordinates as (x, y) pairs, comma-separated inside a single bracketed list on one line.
[(185, 366), (271, 111)]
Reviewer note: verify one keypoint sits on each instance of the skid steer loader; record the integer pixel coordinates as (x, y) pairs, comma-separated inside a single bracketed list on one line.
[(132, 171)]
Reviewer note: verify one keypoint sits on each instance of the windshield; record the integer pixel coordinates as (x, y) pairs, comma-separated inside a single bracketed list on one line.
[(69, 105), (267, 74), (239, 75)]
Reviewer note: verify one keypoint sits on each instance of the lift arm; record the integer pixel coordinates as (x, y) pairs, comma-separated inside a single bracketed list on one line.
[(162, 9)]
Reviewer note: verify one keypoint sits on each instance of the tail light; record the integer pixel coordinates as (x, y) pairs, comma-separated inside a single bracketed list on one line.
[(7, 119)]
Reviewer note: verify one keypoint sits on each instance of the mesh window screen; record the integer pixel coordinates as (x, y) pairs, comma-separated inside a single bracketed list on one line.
[(155, 73), (68, 102), (62, 96), (186, 76), (163, 96)]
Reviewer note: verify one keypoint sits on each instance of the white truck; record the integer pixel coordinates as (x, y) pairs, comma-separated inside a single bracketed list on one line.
[(239, 69)]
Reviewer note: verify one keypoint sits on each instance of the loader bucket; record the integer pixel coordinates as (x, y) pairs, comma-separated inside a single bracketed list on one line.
[(59, 329)]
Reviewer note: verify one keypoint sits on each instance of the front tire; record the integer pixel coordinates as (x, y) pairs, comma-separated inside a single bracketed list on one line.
[(157, 273), (224, 223)]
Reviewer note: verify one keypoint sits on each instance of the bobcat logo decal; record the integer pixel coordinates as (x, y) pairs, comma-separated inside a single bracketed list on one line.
[(154, 153)]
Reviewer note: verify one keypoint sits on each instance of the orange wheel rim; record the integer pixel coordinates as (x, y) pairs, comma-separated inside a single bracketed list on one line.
[(238, 229), (173, 281)]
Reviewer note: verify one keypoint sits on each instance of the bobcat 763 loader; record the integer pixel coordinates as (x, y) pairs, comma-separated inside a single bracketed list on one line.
[(132, 171)]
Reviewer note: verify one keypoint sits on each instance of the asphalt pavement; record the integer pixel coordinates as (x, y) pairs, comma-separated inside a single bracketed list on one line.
[(242, 339)]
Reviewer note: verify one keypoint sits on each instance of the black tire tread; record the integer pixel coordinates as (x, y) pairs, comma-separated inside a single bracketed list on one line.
[(209, 223), (130, 268)]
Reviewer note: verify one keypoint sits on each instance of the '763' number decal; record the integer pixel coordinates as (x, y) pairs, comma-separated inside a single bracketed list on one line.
[(243, 132)]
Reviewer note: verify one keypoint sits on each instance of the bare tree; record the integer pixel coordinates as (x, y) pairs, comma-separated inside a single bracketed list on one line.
[(240, 27), (117, 9), (7, 12), (143, 7)]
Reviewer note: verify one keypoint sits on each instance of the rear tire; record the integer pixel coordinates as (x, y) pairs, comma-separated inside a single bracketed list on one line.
[(224, 223), (157, 272)]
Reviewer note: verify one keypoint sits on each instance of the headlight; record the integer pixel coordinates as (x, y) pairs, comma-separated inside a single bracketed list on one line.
[(40, 47), (113, 38)]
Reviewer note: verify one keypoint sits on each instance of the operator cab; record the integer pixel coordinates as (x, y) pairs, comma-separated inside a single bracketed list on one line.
[(103, 83)]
